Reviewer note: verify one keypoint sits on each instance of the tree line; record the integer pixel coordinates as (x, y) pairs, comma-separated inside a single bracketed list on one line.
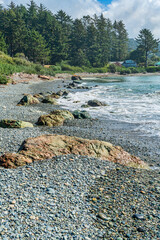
[(50, 38)]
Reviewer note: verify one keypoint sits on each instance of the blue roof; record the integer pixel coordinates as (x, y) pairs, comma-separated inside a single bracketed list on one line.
[(129, 61)]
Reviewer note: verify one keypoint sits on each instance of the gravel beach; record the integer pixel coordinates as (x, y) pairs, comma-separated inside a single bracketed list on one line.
[(75, 197)]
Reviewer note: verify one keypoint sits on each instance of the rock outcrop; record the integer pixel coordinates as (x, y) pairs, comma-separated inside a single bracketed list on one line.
[(28, 100), (48, 146), (5, 123)]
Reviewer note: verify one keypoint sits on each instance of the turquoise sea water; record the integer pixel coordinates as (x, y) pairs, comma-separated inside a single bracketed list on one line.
[(130, 99)]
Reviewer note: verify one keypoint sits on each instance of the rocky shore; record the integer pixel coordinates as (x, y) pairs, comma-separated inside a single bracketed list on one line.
[(76, 197)]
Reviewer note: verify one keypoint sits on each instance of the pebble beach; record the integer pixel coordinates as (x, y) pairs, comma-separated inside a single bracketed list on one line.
[(74, 197)]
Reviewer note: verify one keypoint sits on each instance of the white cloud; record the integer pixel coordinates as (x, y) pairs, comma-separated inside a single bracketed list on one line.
[(136, 14), (75, 8)]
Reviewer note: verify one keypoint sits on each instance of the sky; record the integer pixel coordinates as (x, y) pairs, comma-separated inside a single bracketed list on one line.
[(136, 14)]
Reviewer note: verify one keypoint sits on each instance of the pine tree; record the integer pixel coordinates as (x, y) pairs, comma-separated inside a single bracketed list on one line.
[(37, 50), (146, 43)]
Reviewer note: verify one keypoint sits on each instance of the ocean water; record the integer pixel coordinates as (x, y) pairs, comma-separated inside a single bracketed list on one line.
[(134, 99)]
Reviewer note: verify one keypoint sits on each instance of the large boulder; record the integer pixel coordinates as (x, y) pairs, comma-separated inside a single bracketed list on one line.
[(48, 146), (28, 100), (5, 123), (96, 103), (81, 114)]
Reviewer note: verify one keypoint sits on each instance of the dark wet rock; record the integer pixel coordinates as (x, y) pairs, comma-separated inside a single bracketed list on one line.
[(76, 77), (96, 103), (81, 114), (63, 92)]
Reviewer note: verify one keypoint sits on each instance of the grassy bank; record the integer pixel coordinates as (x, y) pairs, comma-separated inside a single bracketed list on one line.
[(19, 63)]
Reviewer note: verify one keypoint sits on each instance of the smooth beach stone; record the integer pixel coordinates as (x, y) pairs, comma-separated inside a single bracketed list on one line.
[(50, 190), (103, 216), (138, 216), (140, 229)]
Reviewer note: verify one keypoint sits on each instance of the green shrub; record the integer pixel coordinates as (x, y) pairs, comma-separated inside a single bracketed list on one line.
[(67, 67), (3, 79), (134, 70), (5, 58), (125, 71), (55, 68), (112, 68), (20, 55), (38, 67), (21, 61), (153, 69)]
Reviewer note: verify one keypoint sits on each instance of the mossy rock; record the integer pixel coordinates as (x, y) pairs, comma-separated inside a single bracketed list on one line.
[(67, 115), (28, 100), (14, 124), (49, 99), (50, 120)]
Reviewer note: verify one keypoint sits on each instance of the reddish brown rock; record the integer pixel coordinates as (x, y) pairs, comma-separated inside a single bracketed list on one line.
[(13, 160), (48, 146)]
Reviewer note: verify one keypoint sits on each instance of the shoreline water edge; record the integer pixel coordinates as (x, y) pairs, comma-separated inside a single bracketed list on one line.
[(75, 197)]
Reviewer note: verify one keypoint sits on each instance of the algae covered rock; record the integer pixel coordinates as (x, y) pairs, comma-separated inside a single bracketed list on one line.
[(55, 118), (50, 120), (67, 115), (5, 123), (28, 100), (50, 99)]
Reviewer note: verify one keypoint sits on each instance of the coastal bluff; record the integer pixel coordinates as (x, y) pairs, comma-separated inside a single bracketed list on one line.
[(48, 146)]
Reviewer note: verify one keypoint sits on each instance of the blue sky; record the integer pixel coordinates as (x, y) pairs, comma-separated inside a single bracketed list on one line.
[(105, 2), (136, 14)]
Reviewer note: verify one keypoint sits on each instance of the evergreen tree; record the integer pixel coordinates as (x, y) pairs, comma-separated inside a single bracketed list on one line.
[(3, 45), (146, 43), (37, 50), (78, 44)]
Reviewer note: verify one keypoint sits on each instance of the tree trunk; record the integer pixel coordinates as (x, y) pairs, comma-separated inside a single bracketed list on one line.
[(146, 63)]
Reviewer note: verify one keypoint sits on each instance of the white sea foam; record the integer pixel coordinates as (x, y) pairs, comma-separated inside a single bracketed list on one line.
[(124, 104)]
